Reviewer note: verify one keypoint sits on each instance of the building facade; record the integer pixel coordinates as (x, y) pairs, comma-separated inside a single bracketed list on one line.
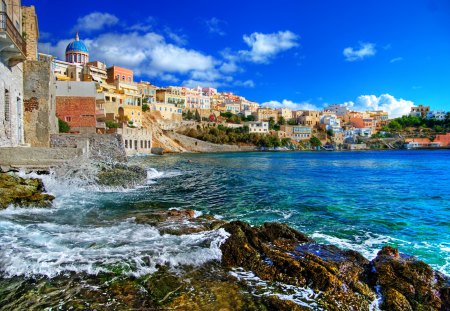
[(297, 132), (12, 54), (258, 127), (120, 74), (264, 114), (76, 105), (419, 111)]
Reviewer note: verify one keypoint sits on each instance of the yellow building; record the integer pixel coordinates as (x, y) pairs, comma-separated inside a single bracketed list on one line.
[(381, 118), (167, 112), (286, 113), (264, 114), (308, 118), (148, 92), (172, 95)]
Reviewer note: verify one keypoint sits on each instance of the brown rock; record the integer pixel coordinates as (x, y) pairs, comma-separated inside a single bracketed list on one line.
[(406, 281)]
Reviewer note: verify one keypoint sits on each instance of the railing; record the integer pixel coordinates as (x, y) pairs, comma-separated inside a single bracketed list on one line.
[(101, 125), (7, 25), (100, 111)]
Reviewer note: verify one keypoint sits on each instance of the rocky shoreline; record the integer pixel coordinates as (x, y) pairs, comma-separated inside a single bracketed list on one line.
[(273, 253), (261, 268)]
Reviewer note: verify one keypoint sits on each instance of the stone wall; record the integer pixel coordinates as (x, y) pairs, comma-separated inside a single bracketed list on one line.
[(196, 145), (30, 31), (23, 157), (39, 103), (107, 147)]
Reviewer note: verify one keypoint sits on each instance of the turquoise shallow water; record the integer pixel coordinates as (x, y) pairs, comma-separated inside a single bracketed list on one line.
[(357, 200)]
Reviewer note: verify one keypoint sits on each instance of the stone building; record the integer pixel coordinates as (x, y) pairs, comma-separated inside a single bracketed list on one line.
[(12, 55), (136, 140), (264, 114)]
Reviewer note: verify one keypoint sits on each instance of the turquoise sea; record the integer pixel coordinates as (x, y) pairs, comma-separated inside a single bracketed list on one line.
[(355, 200)]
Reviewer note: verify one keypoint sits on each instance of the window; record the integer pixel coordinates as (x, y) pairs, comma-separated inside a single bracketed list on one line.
[(123, 78), (131, 144), (68, 119), (126, 143), (142, 144), (135, 144), (7, 106)]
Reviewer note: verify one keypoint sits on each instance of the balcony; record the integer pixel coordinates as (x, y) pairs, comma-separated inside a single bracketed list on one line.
[(100, 114), (100, 125), (12, 45)]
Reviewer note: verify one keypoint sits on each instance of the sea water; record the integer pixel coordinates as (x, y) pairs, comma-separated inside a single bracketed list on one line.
[(354, 200)]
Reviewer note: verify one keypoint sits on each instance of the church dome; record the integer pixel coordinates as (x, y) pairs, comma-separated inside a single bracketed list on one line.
[(77, 46), (77, 52)]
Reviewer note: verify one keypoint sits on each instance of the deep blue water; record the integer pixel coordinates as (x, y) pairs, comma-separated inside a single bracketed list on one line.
[(357, 200)]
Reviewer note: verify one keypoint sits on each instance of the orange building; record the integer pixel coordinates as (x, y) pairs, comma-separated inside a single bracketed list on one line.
[(443, 140), (120, 74)]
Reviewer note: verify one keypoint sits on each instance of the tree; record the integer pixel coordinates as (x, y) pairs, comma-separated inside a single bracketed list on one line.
[(281, 121), (315, 142), (292, 122), (197, 116), (330, 132), (111, 124), (64, 127), (395, 125), (438, 128), (145, 108), (271, 123)]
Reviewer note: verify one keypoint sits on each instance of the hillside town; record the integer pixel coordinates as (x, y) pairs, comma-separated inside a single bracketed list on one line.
[(47, 102)]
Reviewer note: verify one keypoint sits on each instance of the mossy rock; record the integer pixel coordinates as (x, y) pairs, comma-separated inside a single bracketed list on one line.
[(23, 192)]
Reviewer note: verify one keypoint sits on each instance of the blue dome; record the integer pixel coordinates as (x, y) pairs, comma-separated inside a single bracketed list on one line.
[(77, 46)]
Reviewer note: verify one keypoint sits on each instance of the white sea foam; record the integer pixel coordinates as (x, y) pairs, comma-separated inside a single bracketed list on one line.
[(49, 249), (303, 296), (368, 244)]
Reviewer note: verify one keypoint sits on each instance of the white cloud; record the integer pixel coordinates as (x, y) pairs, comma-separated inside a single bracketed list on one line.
[(147, 54), (263, 47), (354, 54), (290, 104), (58, 50), (95, 21), (214, 26), (246, 83), (397, 59), (395, 107)]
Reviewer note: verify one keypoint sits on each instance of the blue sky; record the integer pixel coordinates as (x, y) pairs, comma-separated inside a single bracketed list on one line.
[(301, 54)]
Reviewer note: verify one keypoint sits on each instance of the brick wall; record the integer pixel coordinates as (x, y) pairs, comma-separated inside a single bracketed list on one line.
[(79, 112)]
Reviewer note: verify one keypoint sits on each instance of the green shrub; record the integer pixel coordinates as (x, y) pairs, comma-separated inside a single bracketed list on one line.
[(64, 127)]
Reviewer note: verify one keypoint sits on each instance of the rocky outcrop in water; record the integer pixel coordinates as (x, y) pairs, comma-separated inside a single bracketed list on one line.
[(178, 222), (23, 192), (121, 175), (409, 284), (343, 279)]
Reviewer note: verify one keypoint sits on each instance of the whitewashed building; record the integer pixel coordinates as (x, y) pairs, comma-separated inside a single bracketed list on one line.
[(436, 114), (12, 55), (258, 127)]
